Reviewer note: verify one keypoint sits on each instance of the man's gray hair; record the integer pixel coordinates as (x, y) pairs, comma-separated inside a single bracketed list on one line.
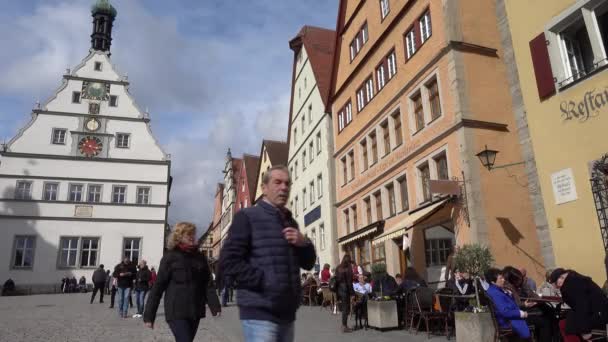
[(266, 177)]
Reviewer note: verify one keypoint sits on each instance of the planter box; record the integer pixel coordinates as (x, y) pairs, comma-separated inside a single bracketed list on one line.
[(382, 314), (474, 326)]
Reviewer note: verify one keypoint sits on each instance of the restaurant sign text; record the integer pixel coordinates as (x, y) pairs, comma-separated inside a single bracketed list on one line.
[(587, 107)]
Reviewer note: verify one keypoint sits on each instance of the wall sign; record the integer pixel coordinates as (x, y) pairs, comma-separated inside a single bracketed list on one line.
[(564, 188), (588, 107), (83, 211)]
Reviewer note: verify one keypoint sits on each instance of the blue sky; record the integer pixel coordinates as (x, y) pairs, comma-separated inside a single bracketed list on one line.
[(214, 74)]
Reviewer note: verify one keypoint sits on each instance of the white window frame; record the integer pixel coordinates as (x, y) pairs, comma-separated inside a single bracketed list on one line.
[(82, 193), (88, 198), (426, 30), (120, 143), (304, 206), (59, 139), (131, 249), (89, 250), (392, 64), (98, 66), (21, 193), (410, 43), (384, 8), (312, 192), (320, 185), (70, 248), (349, 112), (311, 152), (369, 90), (310, 113), (560, 63), (51, 192), (318, 143), (147, 196), (117, 200), (24, 251)]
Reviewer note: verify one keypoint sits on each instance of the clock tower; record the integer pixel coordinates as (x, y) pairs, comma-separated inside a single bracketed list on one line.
[(84, 182)]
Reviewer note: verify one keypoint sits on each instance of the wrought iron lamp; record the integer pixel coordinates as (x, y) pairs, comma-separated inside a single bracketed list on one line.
[(488, 158)]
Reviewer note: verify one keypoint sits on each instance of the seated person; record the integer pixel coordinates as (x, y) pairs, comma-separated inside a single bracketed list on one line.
[(461, 284), (588, 304), (325, 275), (385, 286), (509, 315), (362, 291), (310, 281), (8, 288), (304, 277), (546, 289), (82, 284)]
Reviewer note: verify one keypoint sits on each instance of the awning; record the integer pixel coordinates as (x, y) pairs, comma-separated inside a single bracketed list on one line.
[(410, 221), (361, 233)]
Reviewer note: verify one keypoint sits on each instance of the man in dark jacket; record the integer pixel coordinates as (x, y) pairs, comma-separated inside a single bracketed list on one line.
[(585, 298), (142, 285), (263, 255), (124, 274), (99, 282)]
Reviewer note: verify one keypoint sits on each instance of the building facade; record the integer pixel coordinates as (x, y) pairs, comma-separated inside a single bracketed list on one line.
[(246, 182), (419, 89), (560, 50), (84, 183), (271, 153), (310, 140), (232, 168)]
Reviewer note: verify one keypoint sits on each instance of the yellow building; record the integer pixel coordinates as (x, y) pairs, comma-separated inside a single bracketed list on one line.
[(272, 153), (560, 49)]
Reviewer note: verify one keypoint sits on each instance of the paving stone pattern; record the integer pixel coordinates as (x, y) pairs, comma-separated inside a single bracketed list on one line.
[(70, 318)]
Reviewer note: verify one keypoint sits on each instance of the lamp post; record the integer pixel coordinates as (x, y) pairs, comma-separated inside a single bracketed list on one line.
[(488, 158)]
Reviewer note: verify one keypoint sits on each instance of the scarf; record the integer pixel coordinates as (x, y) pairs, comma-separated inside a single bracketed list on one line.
[(188, 248)]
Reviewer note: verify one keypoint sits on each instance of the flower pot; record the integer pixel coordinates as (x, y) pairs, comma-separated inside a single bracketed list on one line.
[(382, 314), (471, 326)]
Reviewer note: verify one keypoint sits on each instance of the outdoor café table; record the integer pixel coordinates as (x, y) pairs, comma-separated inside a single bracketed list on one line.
[(556, 303)]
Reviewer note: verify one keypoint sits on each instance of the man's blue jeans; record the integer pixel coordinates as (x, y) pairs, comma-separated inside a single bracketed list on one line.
[(123, 300), (265, 331), (140, 296)]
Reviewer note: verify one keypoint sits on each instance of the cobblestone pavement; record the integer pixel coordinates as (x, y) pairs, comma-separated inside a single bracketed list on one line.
[(70, 317)]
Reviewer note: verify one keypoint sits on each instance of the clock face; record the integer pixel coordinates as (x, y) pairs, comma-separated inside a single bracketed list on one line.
[(92, 125), (90, 146), (95, 90)]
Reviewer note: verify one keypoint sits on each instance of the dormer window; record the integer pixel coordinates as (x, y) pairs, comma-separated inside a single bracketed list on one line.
[(113, 101), (97, 66)]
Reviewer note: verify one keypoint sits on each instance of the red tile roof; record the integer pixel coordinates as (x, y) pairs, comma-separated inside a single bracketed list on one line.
[(251, 167), (277, 151)]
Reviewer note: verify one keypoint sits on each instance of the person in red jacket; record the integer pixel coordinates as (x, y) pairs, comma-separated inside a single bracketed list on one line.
[(152, 276), (325, 274)]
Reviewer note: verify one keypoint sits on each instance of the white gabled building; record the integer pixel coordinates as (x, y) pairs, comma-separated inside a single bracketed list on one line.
[(310, 139), (85, 182)]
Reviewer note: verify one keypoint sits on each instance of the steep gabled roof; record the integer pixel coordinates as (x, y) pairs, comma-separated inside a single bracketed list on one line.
[(320, 45), (251, 167), (277, 151)]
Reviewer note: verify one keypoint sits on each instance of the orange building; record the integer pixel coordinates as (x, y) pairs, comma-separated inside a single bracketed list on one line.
[(419, 89)]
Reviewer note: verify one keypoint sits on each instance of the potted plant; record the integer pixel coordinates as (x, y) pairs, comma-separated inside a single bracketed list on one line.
[(477, 325), (382, 309)]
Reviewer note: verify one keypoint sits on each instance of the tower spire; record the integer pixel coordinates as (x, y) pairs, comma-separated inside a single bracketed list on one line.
[(103, 19)]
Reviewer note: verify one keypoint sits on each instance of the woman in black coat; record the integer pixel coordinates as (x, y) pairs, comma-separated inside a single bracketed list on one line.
[(183, 276), (344, 286), (588, 303)]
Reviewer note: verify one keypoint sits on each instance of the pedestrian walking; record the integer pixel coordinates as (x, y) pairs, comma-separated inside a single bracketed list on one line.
[(263, 255), (344, 287), (124, 274), (108, 282), (99, 283), (142, 285), (183, 276), (113, 291)]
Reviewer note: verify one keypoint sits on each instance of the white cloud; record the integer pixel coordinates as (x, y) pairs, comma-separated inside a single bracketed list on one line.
[(213, 74)]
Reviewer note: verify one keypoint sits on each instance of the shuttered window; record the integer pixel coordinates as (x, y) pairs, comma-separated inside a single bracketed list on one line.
[(542, 66)]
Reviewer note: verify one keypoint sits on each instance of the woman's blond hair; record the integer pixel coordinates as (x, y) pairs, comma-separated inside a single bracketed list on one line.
[(180, 229)]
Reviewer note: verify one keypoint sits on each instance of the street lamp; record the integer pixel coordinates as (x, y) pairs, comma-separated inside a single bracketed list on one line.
[(488, 157)]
